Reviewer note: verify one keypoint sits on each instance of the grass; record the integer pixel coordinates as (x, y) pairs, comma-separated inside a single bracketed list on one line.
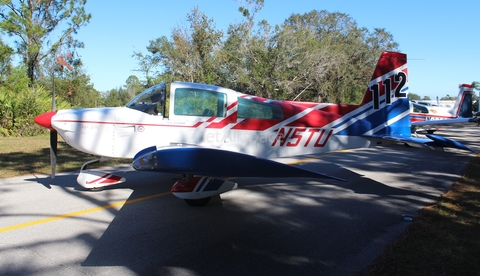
[(31, 155), (443, 240)]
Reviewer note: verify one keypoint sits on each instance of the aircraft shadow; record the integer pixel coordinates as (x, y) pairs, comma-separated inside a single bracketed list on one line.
[(277, 226)]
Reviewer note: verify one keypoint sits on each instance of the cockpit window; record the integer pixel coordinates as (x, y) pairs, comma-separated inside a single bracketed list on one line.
[(199, 102), (149, 101), (417, 108), (257, 110)]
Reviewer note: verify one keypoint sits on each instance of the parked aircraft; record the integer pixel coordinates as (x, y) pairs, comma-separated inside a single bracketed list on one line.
[(214, 132), (431, 118)]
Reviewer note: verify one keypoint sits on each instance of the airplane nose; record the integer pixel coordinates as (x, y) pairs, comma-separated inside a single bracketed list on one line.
[(45, 120)]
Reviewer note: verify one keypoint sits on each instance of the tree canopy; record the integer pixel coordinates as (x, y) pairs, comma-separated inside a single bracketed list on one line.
[(35, 25), (316, 56)]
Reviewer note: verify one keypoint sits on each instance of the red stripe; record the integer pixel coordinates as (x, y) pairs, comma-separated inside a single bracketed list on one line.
[(107, 178), (232, 105)]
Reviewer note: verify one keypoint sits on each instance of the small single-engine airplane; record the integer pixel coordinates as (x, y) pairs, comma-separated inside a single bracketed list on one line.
[(213, 131), (430, 118)]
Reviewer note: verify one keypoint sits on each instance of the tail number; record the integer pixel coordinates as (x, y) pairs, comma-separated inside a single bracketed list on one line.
[(303, 137), (399, 80)]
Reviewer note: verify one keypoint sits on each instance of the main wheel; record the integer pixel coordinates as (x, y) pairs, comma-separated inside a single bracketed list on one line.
[(198, 202)]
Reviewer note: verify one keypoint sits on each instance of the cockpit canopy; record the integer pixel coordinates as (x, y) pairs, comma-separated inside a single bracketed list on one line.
[(150, 101)]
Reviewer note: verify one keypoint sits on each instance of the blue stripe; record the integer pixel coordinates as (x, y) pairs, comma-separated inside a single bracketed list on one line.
[(213, 185), (380, 117), (199, 187), (352, 117)]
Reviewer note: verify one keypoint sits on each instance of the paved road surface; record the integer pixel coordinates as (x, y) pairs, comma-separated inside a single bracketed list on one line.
[(266, 227)]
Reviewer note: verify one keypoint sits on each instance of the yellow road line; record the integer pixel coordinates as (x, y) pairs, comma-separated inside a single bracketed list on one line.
[(120, 203), (83, 212)]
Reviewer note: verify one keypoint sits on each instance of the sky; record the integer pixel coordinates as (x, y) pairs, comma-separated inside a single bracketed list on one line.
[(441, 38)]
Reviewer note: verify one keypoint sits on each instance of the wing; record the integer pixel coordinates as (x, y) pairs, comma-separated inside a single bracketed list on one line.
[(194, 160)]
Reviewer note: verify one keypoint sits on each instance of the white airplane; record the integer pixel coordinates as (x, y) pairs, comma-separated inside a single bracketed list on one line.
[(213, 131), (431, 118)]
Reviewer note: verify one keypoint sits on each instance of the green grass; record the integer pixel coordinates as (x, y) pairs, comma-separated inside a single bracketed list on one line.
[(31, 155)]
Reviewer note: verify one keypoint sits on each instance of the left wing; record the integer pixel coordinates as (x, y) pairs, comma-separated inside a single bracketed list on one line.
[(195, 160)]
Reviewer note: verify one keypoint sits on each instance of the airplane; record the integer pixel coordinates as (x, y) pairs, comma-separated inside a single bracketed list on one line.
[(430, 118), (212, 133)]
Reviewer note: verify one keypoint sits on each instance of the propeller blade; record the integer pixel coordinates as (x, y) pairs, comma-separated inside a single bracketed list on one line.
[(53, 151), (53, 134)]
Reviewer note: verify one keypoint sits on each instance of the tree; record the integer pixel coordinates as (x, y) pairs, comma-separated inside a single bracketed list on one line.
[(426, 98), (448, 98), (189, 55), (35, 25), (5, 60), (413, 97), (133, 86), (317, 56)]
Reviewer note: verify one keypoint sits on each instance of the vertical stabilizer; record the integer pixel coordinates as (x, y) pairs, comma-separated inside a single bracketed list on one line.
[(386, 98), (464, 104)]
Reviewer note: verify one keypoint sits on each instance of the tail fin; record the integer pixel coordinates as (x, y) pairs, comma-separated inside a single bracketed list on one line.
[(463, 105), (385, 110), (386, 98)]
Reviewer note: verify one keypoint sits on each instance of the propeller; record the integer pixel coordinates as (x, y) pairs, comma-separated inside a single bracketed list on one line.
[(45, 120)]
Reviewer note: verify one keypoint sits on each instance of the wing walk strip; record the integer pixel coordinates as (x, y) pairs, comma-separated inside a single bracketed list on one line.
[(130, 201)]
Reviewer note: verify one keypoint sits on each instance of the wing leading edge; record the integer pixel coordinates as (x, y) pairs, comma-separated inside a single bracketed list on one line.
[(194, 160)]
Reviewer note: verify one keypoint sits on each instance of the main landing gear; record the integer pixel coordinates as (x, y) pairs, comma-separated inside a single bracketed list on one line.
[(198, 190)]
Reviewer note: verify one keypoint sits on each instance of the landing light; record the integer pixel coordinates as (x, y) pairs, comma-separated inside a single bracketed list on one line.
[(147, 161)]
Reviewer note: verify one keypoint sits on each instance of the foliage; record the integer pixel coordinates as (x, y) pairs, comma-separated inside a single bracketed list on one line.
[(189, 55), (317, 56), (448, 98), (5, 60), (413, 97), (122, 95), (115, 97), (35, 23), (20, 103)]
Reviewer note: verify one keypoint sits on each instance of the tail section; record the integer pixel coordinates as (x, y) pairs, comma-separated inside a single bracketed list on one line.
[(464, 105), (385, 108)]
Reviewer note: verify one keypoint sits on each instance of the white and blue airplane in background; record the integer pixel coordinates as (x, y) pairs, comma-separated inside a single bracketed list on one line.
[(431, 118), (213, 132)]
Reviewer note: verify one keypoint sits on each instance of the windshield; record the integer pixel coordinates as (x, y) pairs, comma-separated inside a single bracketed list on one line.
[(150, 101)]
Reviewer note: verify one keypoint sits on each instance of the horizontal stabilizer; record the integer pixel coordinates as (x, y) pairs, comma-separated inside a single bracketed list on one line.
[(433, 141), (192, 160), (445, 142), (458, 122)]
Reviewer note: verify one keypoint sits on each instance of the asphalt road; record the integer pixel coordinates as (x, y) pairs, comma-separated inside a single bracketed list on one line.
[(291, 226)]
